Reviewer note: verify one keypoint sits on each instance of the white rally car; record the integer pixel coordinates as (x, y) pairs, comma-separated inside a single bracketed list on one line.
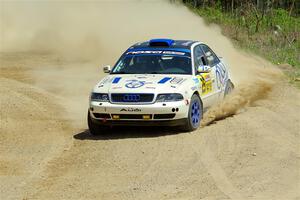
[(159, 82)]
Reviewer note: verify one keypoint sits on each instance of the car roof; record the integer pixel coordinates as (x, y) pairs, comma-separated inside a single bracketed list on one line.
[(163, 44)]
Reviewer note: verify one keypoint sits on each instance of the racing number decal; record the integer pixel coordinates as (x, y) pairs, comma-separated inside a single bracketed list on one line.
[(206, 82)]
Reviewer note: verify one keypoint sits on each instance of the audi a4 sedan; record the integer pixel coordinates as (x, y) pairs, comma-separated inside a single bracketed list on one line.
[(160, 82)]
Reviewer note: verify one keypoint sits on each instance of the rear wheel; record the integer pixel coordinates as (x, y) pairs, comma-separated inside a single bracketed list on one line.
[(95, 129), (229, 88), (194, 115)]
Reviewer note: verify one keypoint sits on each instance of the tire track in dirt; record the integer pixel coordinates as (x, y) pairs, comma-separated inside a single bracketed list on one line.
[(216, 171), (27, 135)]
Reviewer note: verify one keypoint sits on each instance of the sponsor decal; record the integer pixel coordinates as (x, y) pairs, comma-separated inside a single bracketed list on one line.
[(151, 87), (134, 84), (105, 80), (187, 43), (141, 77), (196, 80), (130, 110), (177, 80), (118, 87), (207, 77), (144, 52), (194, 88), (164, 80), (206, 85), (174, 53), (155, 52)]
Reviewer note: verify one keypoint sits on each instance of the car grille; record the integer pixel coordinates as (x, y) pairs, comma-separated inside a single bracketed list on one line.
[(131, 98)]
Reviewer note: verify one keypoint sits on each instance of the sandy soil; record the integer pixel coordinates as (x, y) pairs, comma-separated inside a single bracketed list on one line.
[(248, 147), (44, 155)]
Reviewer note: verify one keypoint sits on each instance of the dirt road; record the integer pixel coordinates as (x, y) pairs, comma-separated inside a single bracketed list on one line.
[(47, 153)]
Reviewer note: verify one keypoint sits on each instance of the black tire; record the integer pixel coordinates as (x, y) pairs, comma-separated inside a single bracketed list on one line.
[(96, 129), (194, 115), (229, 88)]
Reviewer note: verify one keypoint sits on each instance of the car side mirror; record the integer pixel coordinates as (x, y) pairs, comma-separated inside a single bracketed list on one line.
[(107, 69), (203, 69)]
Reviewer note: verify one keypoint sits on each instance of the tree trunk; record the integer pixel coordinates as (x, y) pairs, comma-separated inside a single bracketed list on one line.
[(292, 7)]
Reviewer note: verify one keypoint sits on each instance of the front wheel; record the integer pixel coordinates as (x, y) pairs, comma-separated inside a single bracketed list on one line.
[(194, 115), (95, 129)]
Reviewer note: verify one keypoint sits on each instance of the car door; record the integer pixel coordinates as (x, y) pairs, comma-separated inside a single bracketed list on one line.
[(217, 71), (205, 78)]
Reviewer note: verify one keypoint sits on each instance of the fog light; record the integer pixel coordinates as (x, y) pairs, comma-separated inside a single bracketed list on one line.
[(146, 117), (116, 117)]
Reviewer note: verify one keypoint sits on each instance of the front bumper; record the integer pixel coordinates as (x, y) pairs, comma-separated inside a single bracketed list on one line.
[(164, 114), (175, 122)]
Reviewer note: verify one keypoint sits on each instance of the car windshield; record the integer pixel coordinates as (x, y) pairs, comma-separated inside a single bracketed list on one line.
[(153, 64)]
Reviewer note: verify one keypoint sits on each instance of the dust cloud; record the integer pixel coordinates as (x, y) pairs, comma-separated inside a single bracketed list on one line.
[(247, 93), (244, 96), (98, 32)]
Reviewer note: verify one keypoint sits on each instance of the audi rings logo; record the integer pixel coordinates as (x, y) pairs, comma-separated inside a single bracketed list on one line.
[(134, 84), (131, 97)]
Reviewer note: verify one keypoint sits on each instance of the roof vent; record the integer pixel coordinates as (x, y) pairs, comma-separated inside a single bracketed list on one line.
[(161, 42)]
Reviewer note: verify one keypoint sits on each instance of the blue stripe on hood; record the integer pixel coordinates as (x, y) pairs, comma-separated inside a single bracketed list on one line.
[(116, 80), (164, 80)]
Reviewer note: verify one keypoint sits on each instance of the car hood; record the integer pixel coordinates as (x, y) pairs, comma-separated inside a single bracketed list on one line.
[(141, 83)]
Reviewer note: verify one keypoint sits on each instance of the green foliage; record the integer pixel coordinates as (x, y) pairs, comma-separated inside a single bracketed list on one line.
[(274, 34), (281, 17), (212, 15)]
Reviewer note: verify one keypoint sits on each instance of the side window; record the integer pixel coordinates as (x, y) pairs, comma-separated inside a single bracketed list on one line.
[(198, 57), (211, 57)]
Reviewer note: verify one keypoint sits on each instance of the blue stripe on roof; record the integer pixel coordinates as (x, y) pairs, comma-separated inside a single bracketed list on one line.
[(164, 80), (116, 80)]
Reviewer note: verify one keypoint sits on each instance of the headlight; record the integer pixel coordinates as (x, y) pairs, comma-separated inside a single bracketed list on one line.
[(99, 97), (169, 97)]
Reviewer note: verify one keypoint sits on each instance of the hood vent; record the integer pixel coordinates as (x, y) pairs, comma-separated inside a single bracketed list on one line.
[(161, 42)]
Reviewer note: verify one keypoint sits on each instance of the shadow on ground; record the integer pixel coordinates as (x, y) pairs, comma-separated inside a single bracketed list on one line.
[(128, 132)]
